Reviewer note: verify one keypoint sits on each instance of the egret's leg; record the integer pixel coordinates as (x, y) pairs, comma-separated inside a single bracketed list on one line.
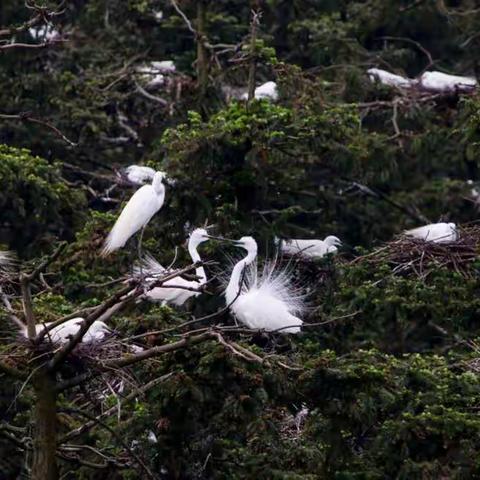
[(140, 239), (139, 250)]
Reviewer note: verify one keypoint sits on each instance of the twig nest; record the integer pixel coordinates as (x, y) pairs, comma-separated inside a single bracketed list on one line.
[(409, 254)]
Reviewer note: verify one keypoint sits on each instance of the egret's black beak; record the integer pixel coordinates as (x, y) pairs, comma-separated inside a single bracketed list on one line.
[(220, 239)]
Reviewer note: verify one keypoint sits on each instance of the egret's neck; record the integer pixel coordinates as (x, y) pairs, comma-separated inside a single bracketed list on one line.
[(158, 186), (234, 287), (199, 271)]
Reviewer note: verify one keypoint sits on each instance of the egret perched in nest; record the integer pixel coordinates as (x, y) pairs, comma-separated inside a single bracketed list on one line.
[(136, 174), (168, 293), (387, 78), (143, 205), (97, 332), (443, 82), (266, 301), (267, 90), (309, 248), (140, 175), (435, 232)]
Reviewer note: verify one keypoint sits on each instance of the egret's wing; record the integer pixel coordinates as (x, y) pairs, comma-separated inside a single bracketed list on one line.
[(419, 232), (137, 213)]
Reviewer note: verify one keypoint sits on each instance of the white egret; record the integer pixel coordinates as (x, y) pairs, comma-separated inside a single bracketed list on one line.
[(442, 82), (136, 174), (145, 202), (310, 248), (140, 175), (164, 66), (150, 75), (435, 232), (97, 332), (167, 293), (267, 302), (267, 90), (387, 78)]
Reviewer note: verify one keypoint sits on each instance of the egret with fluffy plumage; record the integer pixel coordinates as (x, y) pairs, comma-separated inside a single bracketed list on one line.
[(435, 232), (176, 290), (266, 301), (143, 205)]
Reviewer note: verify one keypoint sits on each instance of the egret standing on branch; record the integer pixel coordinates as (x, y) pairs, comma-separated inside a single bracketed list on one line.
[(267, 303), (177, 290), (143, 205)]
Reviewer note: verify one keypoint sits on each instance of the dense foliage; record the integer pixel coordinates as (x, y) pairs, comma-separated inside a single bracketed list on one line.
[(385, 384)]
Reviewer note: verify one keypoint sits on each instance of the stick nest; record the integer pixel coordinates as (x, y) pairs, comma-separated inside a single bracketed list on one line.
[(408, 255)]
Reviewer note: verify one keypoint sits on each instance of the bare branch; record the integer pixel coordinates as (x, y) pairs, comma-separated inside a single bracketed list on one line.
[(149, 96), (27, 117)]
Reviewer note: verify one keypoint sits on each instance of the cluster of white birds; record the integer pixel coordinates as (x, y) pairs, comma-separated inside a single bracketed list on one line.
[(435, 82), (44, 33), (153, 73), (265, 300)]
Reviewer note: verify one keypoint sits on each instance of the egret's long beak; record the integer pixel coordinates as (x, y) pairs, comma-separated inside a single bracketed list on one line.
[(220, 239)]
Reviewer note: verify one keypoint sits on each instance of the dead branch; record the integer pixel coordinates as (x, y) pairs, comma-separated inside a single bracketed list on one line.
[(27, 117)]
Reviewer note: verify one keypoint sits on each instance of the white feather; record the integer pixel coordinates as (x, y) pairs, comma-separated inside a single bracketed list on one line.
[(267, 90), (164, 66), (138, 174), (43, 32), (442, 82), (62, 334), (435, 232), (145, 202)]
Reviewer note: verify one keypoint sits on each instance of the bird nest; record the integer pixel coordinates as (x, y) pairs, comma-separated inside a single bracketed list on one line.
[(408, 255), (85, 354)]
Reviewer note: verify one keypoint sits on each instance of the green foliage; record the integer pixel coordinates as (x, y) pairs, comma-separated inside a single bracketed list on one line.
[(35, 202)]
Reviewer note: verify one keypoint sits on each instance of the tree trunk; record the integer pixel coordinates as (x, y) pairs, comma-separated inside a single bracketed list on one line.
[(202, 58), (45, 429)]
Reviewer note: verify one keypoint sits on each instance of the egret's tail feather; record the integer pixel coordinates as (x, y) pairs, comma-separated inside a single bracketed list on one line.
[(148, 266), (113, 242)]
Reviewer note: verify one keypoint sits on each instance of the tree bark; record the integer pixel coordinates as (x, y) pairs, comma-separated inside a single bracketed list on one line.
[(45, 428)]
